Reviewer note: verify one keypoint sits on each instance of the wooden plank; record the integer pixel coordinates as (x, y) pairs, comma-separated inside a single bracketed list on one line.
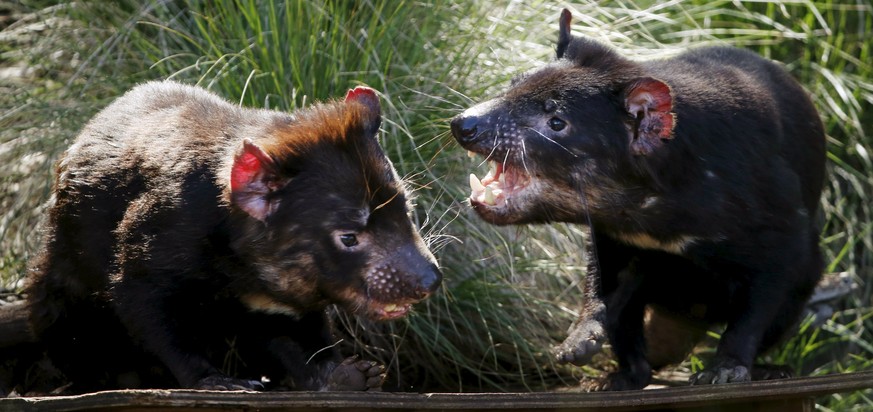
[(784, 394)]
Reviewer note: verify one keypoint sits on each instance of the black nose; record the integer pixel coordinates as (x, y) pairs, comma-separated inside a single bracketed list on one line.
[(431, 280), (464, 128)]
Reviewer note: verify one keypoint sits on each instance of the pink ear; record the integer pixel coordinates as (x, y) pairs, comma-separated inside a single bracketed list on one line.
[(370, 100), (252, 178), (361, 93), (564, 32), (650, 102)]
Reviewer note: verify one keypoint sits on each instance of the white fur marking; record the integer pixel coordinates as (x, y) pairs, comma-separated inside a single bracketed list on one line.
[(266, 304), (649, 201), (644, 241)]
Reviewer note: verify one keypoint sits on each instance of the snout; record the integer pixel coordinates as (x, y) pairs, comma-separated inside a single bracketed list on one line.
[(419, 270), (430, 279), (472, 125), (392, 292), (465, 128), (407, 276)]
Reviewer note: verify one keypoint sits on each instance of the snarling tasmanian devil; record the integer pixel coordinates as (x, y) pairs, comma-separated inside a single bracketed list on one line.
[(699, 175), (195, 242)]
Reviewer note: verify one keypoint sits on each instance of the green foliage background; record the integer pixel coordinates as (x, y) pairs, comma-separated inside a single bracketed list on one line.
[(510, 293)]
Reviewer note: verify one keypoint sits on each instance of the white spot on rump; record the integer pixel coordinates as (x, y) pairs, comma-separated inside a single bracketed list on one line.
[(645, 241), (649, 201)]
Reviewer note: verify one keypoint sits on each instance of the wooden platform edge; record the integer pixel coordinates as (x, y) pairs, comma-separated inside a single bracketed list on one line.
[(668, 398)]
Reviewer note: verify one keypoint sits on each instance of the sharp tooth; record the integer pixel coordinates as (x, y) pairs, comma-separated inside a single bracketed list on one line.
[(493, 166), (475, 183), (390, 308), (489, 197), (471, 154), (502, 179)]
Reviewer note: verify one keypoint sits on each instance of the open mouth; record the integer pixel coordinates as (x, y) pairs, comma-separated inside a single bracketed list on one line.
[(389, 311), (502, 182), (376, 310)]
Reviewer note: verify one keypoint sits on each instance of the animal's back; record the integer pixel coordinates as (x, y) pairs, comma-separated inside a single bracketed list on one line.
[(764, 113), (153, 125), (116, 165)]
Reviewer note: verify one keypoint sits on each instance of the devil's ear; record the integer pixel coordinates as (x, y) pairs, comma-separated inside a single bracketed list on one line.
[(650, 103), (564, 32), (368, 98), (253, 177)]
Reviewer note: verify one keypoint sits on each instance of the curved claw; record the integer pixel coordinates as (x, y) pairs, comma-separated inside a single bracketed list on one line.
[(585, 340), (722, 374)]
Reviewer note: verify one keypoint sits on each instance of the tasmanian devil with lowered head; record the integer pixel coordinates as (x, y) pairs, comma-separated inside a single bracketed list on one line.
[(699, 176), (190, 242)]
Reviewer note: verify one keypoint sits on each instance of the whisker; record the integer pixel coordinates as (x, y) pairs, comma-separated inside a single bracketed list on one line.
[(496, 130), (493, 148), (553, 141), (440, 98), (437, 137), (523, 156), (505, 157)]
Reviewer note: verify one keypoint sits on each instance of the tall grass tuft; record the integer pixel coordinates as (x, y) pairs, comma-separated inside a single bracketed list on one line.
[(510, 293)]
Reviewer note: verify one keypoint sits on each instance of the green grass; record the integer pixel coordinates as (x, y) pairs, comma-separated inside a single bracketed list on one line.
[(510, 293)]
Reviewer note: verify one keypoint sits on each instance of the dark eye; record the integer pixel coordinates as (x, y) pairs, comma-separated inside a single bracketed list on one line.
[(557, 124), (349, 240)]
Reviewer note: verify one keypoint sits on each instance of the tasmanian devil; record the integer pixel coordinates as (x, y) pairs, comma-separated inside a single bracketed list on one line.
[(195, 242), (699, 176)]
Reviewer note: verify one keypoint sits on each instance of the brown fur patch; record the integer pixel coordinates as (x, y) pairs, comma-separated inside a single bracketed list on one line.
[(327, 123)]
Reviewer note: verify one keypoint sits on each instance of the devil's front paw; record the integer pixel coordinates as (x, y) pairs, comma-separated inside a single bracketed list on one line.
[(585, 340), (226, 383), (723, 373), (357, 375)]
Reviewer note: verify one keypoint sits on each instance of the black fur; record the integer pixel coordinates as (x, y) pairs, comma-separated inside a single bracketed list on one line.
[(700, 176), (194, 243)]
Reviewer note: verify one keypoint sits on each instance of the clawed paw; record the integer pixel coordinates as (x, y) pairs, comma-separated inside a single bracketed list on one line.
[(721, 374), (357, 375), (585, 340)]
